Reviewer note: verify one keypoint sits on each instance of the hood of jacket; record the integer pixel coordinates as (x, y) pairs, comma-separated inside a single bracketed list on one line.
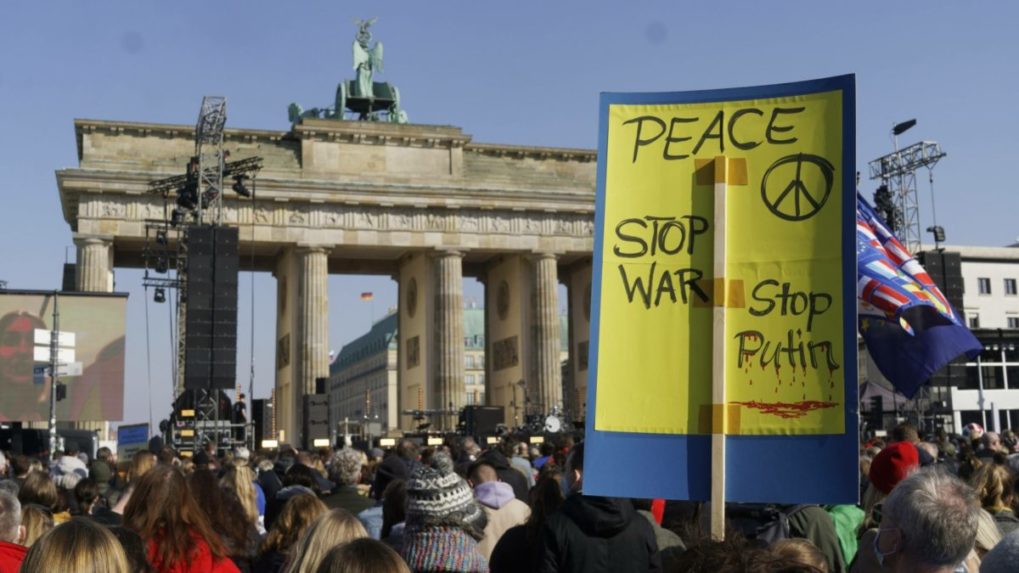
[(494, 494), (599, 516)]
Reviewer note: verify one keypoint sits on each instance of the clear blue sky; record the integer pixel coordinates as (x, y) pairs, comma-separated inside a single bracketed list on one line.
[(524, 72)]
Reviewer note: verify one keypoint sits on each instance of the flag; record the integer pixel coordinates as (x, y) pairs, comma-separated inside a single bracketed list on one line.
[(910, 329), (367, 296)]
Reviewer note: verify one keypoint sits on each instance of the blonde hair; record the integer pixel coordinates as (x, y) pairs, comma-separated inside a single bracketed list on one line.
[(329, 530), (871, 498), (141, 463), (241, 481), (298, 513), (363, 556), (993, 483), (78, 545), (800, 551), (37, 521), (988, 534)]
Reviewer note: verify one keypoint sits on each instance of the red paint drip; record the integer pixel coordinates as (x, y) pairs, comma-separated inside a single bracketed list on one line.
[(787, 410)]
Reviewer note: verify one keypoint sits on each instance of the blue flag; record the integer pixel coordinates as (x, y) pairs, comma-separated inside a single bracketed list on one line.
[(910, 329)]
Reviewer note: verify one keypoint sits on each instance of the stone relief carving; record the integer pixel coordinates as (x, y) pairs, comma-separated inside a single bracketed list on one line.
[(298, 216), (413, 352), (505, 353), (359, 217), (112, 210)]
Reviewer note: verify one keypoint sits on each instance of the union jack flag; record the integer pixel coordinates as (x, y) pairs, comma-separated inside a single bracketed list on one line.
[(910, 329)]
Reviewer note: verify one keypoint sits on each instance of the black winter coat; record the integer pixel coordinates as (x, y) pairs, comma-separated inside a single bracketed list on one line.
[(598, 535)]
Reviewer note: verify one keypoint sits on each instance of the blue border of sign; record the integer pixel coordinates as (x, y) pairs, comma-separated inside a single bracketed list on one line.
[(776, 469)]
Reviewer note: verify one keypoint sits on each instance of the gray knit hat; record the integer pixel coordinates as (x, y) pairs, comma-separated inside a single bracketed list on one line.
[(437, 496)]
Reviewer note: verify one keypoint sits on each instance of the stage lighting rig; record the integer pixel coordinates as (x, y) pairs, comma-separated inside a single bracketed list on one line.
[(897, 172)]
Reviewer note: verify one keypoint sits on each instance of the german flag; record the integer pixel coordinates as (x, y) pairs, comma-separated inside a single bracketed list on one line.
[(367, 296)]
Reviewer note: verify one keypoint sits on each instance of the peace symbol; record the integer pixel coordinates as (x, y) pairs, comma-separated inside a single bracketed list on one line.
[(796, 201)]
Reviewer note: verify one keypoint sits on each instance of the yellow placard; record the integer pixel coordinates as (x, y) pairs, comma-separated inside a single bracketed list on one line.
[(782, 288)]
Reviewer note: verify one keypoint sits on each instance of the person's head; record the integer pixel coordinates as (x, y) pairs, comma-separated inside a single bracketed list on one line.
[(408, 450), (893, 464), (142, 462), (798, 550), (363, 556), (930, 448), (166, 455), (162, 508), (329, 530), (105, 454), (10, 518), (573, 476), (302, 475), (990, 441), (546, 497), (394, 505), (929, 520), (988, 534), (17, 343), (21, 465), (298, 513), (36, 521), (994, 484), (1003, 557), (482, 472), (39, 489), (438, 497), (346, 466), (77, 545), (86, 493), (240, 480), (470, 447)]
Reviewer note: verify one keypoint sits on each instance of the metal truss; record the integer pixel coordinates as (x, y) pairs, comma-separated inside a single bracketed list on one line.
[(897, 170)]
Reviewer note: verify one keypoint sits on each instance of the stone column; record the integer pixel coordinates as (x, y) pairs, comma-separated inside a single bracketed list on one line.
[(94, 268), (94, 273), (313, 318), (547, 370), (449, 334)]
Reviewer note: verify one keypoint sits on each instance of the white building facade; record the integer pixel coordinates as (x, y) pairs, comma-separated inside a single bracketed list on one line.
[(988, 391)]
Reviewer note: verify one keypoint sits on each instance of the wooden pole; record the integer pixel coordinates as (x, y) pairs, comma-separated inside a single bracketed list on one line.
[(718, 410)]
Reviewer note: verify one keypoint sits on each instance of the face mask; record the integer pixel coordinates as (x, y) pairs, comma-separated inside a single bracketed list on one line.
[(877, 549)]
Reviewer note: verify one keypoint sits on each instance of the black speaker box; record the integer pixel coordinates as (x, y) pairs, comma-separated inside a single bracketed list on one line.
[(481, 420), (211, 323)]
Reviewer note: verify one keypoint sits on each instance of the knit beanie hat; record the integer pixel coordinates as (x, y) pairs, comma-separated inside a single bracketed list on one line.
[(437, 496), (892, 465)]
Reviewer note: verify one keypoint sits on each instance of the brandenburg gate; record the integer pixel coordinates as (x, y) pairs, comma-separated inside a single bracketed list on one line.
[(423, 204)]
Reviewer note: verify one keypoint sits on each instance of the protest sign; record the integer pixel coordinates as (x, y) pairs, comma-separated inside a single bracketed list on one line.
[(724, 294)]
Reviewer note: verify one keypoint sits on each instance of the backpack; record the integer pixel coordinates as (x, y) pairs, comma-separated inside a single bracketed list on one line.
[(764, 523)]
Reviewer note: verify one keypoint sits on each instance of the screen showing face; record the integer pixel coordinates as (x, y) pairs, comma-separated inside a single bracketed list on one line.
[(94, 377)]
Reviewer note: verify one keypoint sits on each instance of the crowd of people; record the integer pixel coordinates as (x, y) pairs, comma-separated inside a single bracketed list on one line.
[(944, 504)]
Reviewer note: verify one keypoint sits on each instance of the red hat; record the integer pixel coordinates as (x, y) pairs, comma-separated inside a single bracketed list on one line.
[(892, 465)]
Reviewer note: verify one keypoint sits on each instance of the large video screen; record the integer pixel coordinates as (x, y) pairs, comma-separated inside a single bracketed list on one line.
[(94, 375)]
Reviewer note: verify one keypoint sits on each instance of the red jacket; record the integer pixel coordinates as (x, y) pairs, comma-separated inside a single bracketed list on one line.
[(11, 556), (199, 561)]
